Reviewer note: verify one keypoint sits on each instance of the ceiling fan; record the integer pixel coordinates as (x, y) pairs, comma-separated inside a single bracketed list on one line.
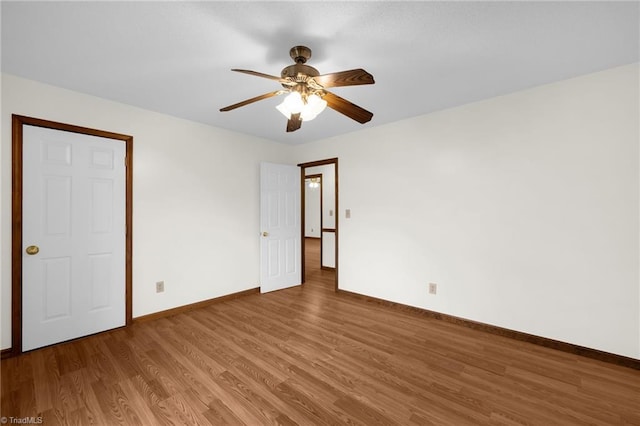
[(307, 91)]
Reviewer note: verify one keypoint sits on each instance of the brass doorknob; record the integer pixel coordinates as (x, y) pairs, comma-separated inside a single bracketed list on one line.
[(31, 250), (265, 234)]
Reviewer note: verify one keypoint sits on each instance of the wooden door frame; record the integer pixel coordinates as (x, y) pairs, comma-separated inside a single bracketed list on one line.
[(18, 121), (303, 167)]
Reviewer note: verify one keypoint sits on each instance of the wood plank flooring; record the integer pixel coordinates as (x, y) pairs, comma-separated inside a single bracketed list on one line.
[(310, 356)]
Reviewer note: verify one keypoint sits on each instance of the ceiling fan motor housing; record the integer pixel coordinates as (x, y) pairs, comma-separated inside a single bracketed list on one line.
[(299, 72)]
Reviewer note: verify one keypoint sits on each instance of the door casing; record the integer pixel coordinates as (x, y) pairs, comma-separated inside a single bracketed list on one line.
[(18, 122), (303, 166)]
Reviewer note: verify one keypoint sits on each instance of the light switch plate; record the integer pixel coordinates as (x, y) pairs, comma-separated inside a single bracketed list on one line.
[(347, 213)]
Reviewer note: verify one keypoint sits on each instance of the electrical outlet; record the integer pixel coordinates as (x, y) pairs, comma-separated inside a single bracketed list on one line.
[(433, 288), (160, 287)]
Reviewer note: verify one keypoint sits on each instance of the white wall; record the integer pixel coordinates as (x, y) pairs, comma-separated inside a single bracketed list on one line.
[(311, 211), (328, 211), (196, 193), (522, 208)]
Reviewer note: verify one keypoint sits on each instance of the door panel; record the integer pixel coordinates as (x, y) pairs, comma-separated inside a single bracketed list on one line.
[(100, 276), (290, 256), (101, 208), (280, 226), (74, 210), (56, 205), (57, 288)]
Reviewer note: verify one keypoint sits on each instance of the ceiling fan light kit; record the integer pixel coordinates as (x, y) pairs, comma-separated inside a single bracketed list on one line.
[(307, 95), (308, 107)]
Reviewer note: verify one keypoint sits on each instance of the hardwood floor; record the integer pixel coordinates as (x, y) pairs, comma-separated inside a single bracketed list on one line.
[(310, 356), (313, 273)]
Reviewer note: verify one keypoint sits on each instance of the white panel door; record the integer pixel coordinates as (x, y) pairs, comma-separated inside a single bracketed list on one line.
[(280, 261), (74, 208)]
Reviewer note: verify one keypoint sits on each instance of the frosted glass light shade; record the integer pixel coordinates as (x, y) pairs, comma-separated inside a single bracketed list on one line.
[(294, 104), (283, 109), (316, 103), (314, 106), (307, 114)]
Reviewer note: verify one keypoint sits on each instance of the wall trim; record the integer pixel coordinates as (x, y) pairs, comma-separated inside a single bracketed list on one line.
[(8, 353), (196, 305), (571, 348)]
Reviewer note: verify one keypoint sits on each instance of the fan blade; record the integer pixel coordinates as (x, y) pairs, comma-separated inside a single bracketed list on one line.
[(347, 108), (285, 81), (294, 123), (344, 78), (259, 74), (252, 100)]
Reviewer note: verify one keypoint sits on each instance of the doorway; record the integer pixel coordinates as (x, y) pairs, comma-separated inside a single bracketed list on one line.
[(320, 222), (85, 177), (313, 213)]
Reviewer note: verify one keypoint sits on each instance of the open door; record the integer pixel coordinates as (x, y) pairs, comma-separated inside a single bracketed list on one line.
[(280, 245)]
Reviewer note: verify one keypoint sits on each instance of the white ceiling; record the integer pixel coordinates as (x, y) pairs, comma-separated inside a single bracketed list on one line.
[(175, 57)]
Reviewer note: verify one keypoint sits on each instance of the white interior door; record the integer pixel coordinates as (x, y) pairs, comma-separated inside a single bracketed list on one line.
[(74, 209), (280, 260)]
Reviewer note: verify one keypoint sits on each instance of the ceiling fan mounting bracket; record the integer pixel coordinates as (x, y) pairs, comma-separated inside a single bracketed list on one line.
[(300, 54)]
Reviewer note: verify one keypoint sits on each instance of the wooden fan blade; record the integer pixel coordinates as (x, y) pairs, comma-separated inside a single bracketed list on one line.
[(294, 123), (345, 78), (252, 100), (285, 81), (259, 74), (347, 108)]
